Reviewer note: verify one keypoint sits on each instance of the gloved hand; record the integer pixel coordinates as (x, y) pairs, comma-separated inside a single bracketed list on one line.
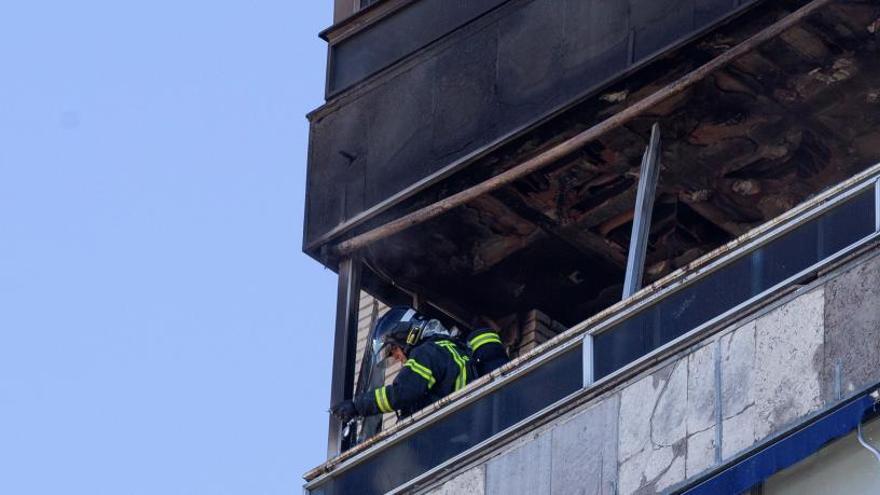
[(345, 411)]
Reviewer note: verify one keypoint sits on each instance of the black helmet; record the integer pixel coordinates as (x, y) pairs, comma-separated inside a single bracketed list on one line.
[(401, 326)]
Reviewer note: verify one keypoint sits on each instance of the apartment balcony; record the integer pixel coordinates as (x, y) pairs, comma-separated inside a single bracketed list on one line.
[(418, 89), (483, 160), (758, 112), (762, 335)]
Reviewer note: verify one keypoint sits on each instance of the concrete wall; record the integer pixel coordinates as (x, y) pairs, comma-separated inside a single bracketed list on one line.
[(725, 395)]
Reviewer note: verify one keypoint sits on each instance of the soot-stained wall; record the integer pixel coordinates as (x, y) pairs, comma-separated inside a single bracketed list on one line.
[(485, 81)]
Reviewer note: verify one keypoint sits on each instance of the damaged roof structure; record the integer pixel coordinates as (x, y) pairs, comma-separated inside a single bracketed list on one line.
[(482, 158), (742, 145)]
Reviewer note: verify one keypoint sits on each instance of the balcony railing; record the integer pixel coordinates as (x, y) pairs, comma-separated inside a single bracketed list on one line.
[(716, 287)]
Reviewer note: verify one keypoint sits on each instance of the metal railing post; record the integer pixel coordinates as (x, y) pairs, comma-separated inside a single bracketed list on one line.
[(344, 347), (877, 205), (589, 361)]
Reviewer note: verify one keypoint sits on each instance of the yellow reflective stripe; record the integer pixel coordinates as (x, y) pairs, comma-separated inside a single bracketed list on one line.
[(382, 400), (421, 370), (461, 379), (483, 339)]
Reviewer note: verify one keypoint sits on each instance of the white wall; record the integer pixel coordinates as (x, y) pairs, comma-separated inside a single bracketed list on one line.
[(842, 467)]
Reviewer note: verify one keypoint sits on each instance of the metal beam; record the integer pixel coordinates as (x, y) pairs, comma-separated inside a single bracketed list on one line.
[(344, 347), (638, 242), (576, 142)]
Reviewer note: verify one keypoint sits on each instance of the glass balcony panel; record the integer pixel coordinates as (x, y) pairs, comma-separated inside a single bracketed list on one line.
[(735, 283), (438, 442)]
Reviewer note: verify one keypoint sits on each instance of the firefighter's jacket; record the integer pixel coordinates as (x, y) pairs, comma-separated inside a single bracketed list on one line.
[(487, 350), (434, 369)]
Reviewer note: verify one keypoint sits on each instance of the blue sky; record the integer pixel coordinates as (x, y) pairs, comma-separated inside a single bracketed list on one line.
[(160, 330)]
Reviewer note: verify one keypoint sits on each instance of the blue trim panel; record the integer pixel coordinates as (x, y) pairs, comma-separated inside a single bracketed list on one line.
[(788, 451)]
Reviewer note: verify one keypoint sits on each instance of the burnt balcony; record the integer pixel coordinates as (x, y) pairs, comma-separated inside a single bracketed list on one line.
[(417, 90), (763, 106), (752, 125)]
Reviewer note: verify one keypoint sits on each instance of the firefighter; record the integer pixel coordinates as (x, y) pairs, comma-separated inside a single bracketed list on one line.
[(486, 348), (434, 366)]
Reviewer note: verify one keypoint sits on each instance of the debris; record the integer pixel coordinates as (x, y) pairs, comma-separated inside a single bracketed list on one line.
[(842, 70), (873, 96), (719, 43), (775, 152), (697, 196), (874, 27), (615, 97), (657, 269), (746, 187), (785, 95)]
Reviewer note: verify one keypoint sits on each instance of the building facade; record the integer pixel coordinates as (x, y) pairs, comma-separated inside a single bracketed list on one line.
[(482, 160)]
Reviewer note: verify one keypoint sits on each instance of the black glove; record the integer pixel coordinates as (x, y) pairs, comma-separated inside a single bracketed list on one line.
[(345, 411)]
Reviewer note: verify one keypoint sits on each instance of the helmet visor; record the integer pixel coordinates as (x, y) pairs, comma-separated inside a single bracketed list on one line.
[(390, 330), (380, 349)]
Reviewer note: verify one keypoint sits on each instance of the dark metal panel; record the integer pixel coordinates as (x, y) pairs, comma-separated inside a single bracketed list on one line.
[(530, 49), (397, 36), (344, 348), (399, 131), (466, 104), (596, 37), (658, 24), (338, 156), (708, 11)]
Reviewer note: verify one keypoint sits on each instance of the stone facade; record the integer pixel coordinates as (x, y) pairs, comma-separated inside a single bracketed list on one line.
[(852, 317), (471, 482), (725, 395)]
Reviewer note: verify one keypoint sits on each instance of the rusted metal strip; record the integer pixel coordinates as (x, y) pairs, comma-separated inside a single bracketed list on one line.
[(576, 142)]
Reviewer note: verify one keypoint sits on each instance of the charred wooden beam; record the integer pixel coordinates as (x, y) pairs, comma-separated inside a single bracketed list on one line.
[(576, 236), (718, 217)]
